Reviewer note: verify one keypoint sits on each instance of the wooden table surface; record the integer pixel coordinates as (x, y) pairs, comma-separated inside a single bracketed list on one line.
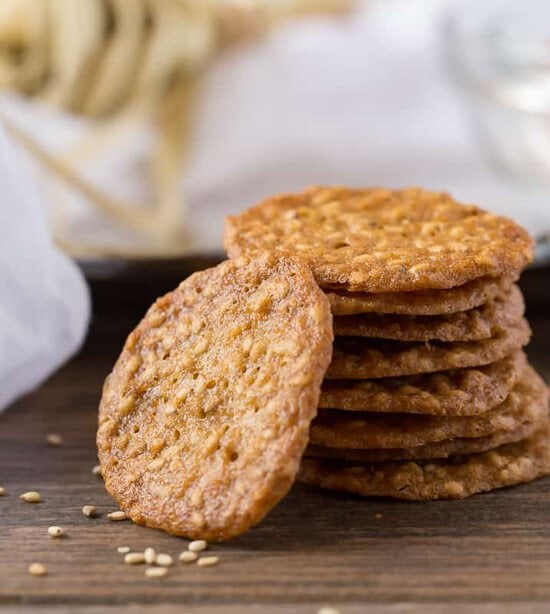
[(490, 553)]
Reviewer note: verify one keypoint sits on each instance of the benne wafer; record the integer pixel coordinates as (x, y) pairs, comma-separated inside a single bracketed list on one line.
[(423, 302), (457, 392), (366, 358), (478, 323), (206, 413), (381, 240), (528, 401), (454, 478), (437, 449)]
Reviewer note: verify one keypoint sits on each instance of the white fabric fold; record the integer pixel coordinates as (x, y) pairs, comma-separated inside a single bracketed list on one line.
[(44, 300)]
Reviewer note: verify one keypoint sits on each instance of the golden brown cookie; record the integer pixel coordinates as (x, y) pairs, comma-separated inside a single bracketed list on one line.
[(454, 478), (206, 413), (378, 240), (340, 429), (479, 323), (366, 358), (436, 449), (459, 392), (423, 302)]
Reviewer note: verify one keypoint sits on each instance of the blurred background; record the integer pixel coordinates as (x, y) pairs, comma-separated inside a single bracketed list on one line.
[(130, 128), (144, 122)]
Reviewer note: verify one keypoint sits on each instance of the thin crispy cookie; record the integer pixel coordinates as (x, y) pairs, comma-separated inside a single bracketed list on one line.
[(365, 358), (338, 429), (436, 449), (455, 478), (377, 240), (423, 302), (459, 392), (206, 414), (479, 323)]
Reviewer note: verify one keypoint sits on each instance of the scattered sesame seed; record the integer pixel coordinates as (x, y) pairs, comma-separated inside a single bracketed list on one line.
[(2, 491), (37, 569), (197, 546), (134, 558), (188, 557), (96, 470), (156, 572), (378, 516), (123, 549), (208, 561), (90, 511), (31, 497), (118, 515), (328, 610), (164, 560), (55, 531), (53, 439), (150, 555)]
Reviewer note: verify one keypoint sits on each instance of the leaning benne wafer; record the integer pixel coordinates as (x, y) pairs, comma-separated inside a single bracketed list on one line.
[(206, 414)]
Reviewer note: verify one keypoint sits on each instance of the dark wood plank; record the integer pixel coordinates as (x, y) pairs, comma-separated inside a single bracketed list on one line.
[(490, 553)]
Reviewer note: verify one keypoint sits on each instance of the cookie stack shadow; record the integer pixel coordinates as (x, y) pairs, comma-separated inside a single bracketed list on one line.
[(429, 394)]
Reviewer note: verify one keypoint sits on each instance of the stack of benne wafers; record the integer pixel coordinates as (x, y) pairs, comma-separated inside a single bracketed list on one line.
[(360, 340), (429, 394)]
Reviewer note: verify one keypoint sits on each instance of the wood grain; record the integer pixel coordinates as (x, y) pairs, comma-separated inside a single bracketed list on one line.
[(487, 554)]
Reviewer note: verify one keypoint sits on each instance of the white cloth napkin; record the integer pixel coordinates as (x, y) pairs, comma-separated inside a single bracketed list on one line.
[(44, 301)]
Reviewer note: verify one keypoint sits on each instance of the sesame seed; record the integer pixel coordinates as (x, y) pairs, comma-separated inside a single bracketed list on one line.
[(197, 519), (90, 511), (123, 549), (96, 470), (53, 439), (118, 515), (378, 516), (2, 491), (156, 572), (164, 560), (169, 409), (37, 569), (328, 610), (134, 558), (197, 546), (55, 531), (31, 497), (208, 561), (150, 555), (188, 557)]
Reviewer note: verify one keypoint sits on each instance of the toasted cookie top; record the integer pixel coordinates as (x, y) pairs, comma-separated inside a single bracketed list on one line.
[(206, 413), (378, 240)]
